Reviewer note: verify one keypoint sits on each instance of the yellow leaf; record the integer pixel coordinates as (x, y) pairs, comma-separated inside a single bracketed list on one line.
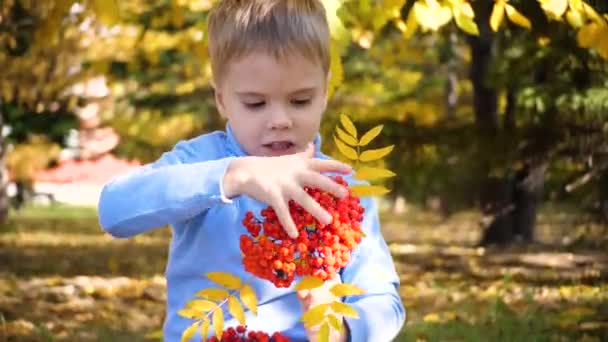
[(375, 154), (344, 309), (372, 173), (205, 329), (214, 294), (370, 135), (309, 283), (517, 18), (589, 35), (154, 335), (498, 13), (218, 322), (201, 305), (556, 8), (432, 317), (344, 290), (249, 299), (431, 17), (467, 24), (191, 313), (236, 310), (336, 71), (225, 279), (411, 25), (349, 139), (315, 315), (348, 125), (324, 333), (362, 190), (575, 18), (107, 11), (189, 332), (347, 151), (334, 322)]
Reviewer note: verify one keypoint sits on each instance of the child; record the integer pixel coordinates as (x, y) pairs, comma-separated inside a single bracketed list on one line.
[(270, 62)]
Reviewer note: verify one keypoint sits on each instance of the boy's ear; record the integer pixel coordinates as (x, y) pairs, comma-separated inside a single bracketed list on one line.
[(219, 101)]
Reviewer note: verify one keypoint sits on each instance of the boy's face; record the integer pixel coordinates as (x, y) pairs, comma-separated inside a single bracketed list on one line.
[(274, 107)]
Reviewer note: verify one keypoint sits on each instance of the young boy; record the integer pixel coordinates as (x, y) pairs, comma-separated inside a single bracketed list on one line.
[(270, 63)]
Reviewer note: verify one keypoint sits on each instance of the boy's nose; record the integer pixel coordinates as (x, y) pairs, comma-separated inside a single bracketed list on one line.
[(279, 119)]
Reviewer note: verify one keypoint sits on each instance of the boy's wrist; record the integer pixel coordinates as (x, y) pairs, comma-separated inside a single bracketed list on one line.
[(234, 178)]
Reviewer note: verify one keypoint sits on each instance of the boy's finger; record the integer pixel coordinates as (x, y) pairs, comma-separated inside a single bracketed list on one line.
[(317, 180), (284, 217), (311, 206), (335, 166)]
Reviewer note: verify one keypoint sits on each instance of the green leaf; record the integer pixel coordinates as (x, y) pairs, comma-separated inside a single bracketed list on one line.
[(375, 154), (370, 135), (344, 309), (344, 290), (466, 24), (189, 332), (249, 299), (362, 190), (213, 294), (372, 173), (347, 151), (315, 315), (236, 310), (218, 322), (225, 279), (324, 332), (309, 283), (348, 139), (348, 125)]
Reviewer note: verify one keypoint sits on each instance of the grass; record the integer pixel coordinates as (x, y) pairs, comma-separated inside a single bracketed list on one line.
[(64, 279)]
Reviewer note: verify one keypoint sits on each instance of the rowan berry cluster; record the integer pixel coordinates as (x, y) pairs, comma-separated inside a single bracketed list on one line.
[(320, 250), (240, 334)]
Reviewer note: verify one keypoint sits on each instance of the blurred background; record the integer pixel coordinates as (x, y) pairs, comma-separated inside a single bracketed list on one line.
[(497, 218)]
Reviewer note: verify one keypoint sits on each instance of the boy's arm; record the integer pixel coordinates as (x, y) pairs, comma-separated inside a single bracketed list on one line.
[(166, 191), (381, 311)]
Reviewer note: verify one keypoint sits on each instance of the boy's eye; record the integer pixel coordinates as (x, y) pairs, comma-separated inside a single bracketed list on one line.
[(255, 105), (300, 102)]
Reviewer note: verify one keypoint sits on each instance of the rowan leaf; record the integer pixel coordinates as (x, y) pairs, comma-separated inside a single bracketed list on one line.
[(309, 283), (344, 290), (335, 322), (236, 310), (516, 17), (190, 313), (349, 126), (344, 309), (225, 279), (498, 13), (201, 305), (347, 151), (218, 321), (324, 332), (189, 332), (373, 173), (362, 190), (315, 315), (205, 328), (249, 298), (370, 135), (213, 294), (348, 139), (375, 154)]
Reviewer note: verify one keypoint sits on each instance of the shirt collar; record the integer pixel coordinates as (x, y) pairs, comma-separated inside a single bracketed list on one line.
[(237, 150)]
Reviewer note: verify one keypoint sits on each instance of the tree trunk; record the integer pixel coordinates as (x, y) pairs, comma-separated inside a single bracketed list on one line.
[(528, 184), (451, 83), (4, 201), (603, 195)]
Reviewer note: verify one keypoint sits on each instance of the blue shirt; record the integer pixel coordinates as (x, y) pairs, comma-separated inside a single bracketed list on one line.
[(183, 189)]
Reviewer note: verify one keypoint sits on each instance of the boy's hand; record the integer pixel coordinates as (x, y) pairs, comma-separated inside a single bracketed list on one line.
[(321, 295), (276, 180)]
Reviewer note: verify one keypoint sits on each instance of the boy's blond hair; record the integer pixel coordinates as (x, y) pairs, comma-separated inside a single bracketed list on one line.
[(278, 27)]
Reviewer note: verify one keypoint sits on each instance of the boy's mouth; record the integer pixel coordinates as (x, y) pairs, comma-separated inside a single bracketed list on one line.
[(279, 146)]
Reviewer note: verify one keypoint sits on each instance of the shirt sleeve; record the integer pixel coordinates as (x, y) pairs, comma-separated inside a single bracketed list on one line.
[(381, 311), (167, 191)]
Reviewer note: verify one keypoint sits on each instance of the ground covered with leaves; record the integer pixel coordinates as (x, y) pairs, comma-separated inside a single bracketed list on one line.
[(62, 279)]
